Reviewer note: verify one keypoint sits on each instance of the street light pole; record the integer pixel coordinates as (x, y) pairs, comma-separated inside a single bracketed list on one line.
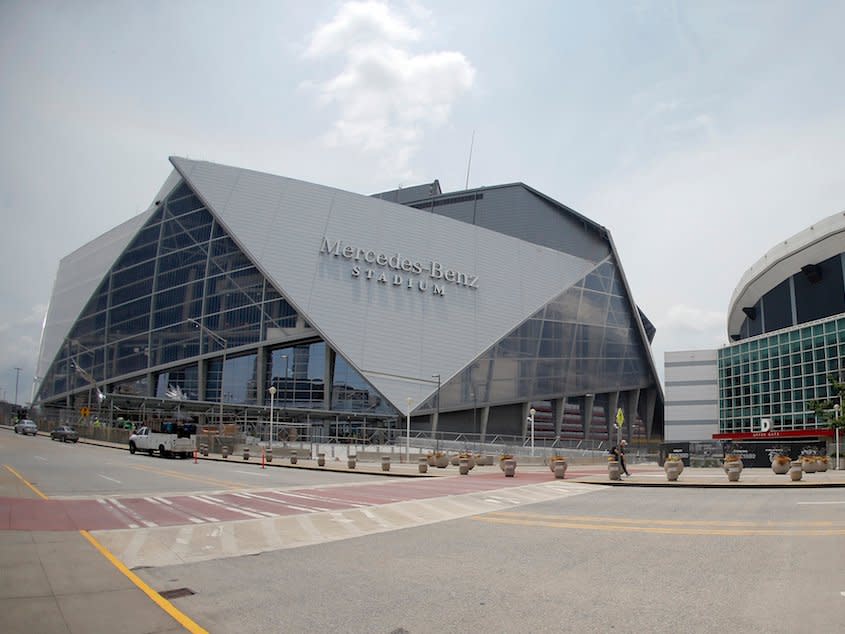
[(222, 341), (285, 390), (408, 431), (272, 396), (531, 413), (836, 408), (17, 376)]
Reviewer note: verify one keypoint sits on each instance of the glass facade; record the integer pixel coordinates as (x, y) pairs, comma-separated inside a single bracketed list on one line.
[(583, 341), (776, 376), (184, 317), (183, 294)]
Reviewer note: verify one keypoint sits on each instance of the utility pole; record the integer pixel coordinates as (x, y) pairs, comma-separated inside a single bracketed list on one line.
[(17, 376)]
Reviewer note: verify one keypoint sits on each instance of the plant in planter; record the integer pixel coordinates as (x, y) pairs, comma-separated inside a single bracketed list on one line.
[(467, 455), (439, 459), (781, 464), (732, 460), (502, 458), (673, 466), (733, 467), (557, 464)]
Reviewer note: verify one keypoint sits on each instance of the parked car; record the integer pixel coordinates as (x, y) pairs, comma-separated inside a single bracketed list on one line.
[(26, 426), (65, 434)]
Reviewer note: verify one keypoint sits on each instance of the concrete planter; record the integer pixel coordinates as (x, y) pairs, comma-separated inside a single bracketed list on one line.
[(673, 469), (463, 466), (781, 465), (509, 467), (733, 470)]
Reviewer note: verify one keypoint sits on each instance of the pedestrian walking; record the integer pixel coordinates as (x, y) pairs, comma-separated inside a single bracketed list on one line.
[(619, 454)]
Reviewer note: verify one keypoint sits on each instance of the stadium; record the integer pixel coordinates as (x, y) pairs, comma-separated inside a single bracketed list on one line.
[(491, 312)]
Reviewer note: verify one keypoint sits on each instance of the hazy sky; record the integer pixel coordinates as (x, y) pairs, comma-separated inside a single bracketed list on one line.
[(700, 133)]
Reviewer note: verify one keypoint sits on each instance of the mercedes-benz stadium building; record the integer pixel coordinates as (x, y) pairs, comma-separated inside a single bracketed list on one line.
[(786, 324), (238, 291)]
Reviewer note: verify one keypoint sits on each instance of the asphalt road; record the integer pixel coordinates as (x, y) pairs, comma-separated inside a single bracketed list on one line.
[(611, 559), (627, 560), (62, 470)]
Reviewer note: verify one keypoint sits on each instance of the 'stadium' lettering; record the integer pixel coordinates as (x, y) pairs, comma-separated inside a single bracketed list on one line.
[(399, 263)]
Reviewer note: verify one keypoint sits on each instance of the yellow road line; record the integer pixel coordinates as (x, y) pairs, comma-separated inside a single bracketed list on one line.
[(226, 483), (633, 520), (552, 523), (29, 484), (163, 603)]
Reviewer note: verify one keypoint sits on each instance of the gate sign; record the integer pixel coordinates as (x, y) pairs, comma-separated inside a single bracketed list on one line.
[(85, 411)]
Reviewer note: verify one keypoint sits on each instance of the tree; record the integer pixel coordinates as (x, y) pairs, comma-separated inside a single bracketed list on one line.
[(827, 411)]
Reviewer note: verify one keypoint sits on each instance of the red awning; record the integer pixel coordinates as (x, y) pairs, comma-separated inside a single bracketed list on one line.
[(769, 435)]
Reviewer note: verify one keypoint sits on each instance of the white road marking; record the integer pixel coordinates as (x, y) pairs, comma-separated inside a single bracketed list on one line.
[(41, 458), (108, 478), (831, 502), (234, 509), (278, 501), (132, 513), (252, 473)]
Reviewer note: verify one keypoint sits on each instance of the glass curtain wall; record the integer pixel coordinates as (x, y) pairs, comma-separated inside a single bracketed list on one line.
[(775, 377)]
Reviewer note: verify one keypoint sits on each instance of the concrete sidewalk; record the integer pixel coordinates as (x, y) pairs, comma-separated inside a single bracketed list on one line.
[(651, 475), (58, 582)]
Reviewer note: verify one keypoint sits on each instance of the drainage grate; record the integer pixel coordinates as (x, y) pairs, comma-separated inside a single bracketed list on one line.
[(178, 592)]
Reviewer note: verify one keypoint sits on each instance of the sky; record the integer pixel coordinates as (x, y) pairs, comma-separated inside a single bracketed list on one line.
[(700, 133)]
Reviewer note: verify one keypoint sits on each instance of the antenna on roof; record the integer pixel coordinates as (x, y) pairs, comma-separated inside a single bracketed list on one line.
[(469, 162)]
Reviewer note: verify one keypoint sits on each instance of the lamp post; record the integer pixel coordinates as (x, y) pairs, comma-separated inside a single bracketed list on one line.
[(285, 390), (408, 431), (17, 376), (474, 409), (531, 413), (222, 341), (437, 376), (272, 391), (836, 409)]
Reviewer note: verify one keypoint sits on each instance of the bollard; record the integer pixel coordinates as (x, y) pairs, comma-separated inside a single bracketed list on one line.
[(204, 449), (385, 463), (463, 466), (293, 456), (321, 460), (560, 469), (423, 464), (509, 467), (351, 461), (225, 451), (796, 471), (269, 454), (195, 456), (246, 453), (614, 470)]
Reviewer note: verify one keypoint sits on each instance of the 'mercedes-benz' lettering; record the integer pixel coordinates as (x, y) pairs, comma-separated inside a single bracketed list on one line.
[(405, 267)]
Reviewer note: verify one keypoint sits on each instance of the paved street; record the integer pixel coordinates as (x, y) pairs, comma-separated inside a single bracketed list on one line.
[(302, 550)]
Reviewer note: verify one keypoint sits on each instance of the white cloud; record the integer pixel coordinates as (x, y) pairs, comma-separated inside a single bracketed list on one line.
[(386, 94), (683, 317)]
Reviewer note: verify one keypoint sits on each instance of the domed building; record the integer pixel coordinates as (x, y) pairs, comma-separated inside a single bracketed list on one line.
[(786, 325)]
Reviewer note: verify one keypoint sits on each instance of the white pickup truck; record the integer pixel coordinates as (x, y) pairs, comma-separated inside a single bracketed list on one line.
[(166, 444)]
